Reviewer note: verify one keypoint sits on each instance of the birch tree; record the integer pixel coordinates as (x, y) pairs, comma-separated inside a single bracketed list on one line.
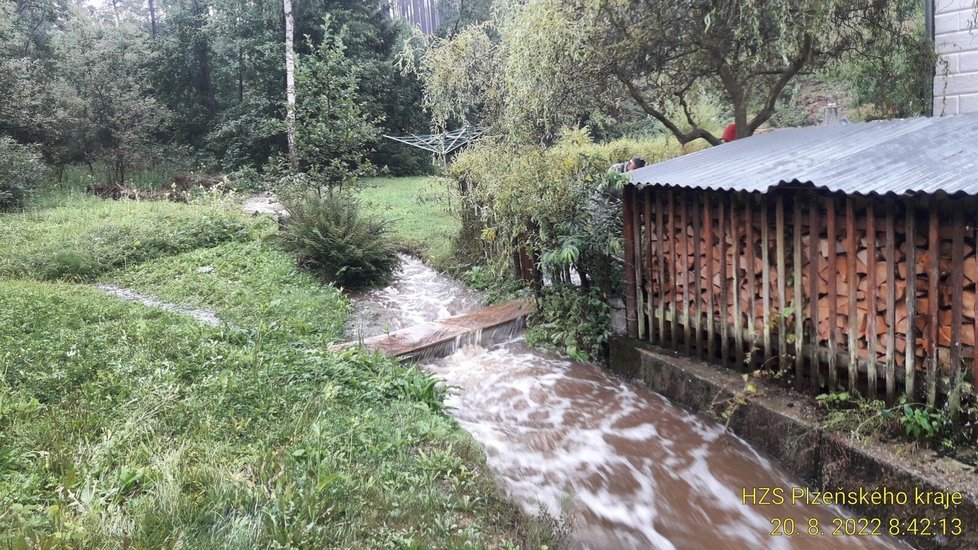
[(290, 85)]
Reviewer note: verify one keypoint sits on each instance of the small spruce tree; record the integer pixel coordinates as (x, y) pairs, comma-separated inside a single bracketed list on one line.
[(333, 131)]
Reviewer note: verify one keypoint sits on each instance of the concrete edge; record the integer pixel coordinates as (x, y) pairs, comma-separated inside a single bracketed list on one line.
[(780, 425), (486, 326)]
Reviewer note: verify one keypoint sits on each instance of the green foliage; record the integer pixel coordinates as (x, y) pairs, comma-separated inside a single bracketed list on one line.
[(916, 422), (330, 236), (248, 284), (555, 200), (458, 74), (540, 65), (577, 324), (104, 113), (122, 425), (21, 172), (919, 422), (333, 131), (85, 237), (417, 210)]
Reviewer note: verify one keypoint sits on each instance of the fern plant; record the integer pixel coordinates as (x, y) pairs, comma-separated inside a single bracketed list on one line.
[(330, 236)]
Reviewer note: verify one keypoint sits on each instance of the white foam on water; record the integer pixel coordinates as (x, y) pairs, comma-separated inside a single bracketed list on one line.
[(622, 465), (417, 295)]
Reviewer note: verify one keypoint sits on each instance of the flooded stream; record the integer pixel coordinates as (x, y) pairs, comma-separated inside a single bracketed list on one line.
[(418, 294), (618, 463), (622, 465)]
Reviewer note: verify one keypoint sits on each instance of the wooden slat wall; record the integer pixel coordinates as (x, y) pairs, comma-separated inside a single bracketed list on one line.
[(861, 285)]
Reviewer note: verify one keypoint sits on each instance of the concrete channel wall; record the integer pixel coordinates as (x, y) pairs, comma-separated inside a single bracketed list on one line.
[(784, 426)]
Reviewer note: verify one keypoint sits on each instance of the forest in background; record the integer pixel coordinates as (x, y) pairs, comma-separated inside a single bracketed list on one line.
[(127, 85)]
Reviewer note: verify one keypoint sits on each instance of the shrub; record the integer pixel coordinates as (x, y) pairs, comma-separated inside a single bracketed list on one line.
[(329, 236), (576, 323), (550, 200), (21, 171)]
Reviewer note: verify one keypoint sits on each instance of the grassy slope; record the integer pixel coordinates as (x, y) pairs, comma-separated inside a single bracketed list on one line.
[(79, 238), (125, 425), (418, 210)]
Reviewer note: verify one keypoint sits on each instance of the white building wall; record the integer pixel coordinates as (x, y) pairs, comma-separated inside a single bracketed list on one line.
[(956, 79)]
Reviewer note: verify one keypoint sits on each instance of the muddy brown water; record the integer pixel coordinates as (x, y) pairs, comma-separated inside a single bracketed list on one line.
[(619, 464), (418, 294)]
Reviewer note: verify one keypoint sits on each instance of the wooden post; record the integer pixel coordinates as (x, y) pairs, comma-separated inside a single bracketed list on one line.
[(697, 275), (751, 279), (910, 371), (649, 264), (708, 237), (631, 311), (853, 288), (799, 296), (957, 288), (782, 286), (934, 251), (891, 284), (814, 231), (766, 277), (683, 271), (974, 366), (661, 229), (724, 303), (871, 334), (831, 229), (736, 257), (637, 258), (674, 256)]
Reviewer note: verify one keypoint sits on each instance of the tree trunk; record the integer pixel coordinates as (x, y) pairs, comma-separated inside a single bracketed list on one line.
[(152, 19), (240, 75), (205, 80), (290, 85)]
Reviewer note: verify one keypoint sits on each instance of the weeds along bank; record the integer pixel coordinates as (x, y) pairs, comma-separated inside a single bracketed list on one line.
[(122, 425), (559, 206)]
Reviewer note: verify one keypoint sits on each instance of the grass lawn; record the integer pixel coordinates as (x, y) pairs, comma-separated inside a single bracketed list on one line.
[(418, 209), (124, 426)]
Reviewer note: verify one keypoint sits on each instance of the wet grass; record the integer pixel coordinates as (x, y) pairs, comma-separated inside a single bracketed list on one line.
[(123, 426), (418, 209), (248, 284), (74, 237)]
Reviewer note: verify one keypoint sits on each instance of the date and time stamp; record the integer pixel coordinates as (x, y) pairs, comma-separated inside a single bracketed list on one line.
[(935, 512)]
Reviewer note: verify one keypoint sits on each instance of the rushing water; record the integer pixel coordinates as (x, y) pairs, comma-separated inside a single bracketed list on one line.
[(621, 465), (418, 294)]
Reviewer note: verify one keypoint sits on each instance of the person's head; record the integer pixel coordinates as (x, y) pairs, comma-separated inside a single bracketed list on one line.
[(635, 163)]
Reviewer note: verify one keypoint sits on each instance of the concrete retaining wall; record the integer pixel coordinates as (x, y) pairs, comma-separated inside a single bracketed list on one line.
[(783, 426)]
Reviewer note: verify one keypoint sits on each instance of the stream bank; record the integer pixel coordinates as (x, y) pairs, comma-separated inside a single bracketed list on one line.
[(619, 465)]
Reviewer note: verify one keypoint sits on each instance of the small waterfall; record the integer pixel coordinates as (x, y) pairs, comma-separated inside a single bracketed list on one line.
[(620, 465)]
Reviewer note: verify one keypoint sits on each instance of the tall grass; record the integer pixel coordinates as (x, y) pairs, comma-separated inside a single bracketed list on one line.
[(418, 211), (78, 238), (123, 426)]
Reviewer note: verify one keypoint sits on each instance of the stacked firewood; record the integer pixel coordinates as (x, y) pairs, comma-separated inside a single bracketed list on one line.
[(732, 262)]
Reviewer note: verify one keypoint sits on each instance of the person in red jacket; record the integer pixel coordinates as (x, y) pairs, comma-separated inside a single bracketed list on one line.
[(730, 133)]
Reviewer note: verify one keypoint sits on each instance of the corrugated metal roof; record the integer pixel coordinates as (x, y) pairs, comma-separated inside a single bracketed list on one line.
[(918, 155)]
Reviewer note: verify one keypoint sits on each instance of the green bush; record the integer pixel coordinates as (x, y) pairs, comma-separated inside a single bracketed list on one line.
[(331, 237), (21, 171), (551, 200), (576, 323)]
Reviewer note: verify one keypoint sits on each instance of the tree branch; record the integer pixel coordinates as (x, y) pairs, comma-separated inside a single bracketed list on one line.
[(683, 137), (772, 98)]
